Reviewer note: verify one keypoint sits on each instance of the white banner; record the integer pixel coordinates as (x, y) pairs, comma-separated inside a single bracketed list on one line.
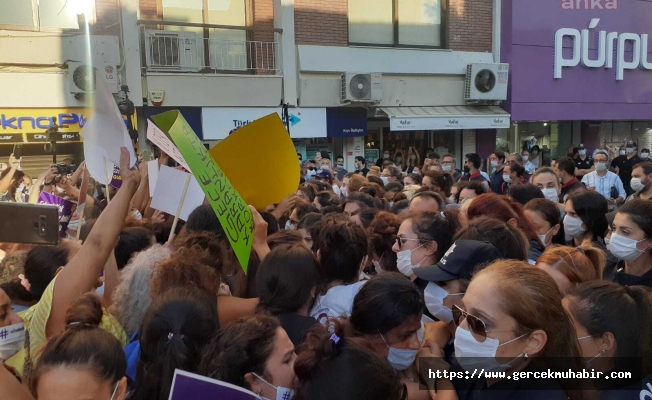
[(218, 123), (436, 123)]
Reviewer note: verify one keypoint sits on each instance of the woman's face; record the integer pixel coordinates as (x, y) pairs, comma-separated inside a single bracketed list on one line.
[(280, 365), (73, 384), (590, 346), (301, 195), (403, 337), (560, 279), (350, 208), (407, 239), (307, 239), (624, 226), (482, 302), (570, 211), (540, 225), (409, 181), (545, 181)]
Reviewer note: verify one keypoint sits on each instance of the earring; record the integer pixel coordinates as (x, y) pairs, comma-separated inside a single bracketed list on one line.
[(526, 355), (603, 351)]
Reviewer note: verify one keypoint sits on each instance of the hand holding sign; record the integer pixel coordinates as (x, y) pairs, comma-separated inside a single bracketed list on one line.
[(230, 208)]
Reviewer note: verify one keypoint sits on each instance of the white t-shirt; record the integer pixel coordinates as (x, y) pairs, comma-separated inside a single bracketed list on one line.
[(337, 302)]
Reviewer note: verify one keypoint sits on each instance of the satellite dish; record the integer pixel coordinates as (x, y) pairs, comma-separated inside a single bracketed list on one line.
[(360, 86)]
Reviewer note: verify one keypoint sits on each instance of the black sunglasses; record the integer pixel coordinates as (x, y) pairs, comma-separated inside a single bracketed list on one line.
[(401, 241), (477, 326)]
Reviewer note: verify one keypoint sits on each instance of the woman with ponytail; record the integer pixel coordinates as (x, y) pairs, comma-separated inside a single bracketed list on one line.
[(84, 362), (176, 327), (613, 324), (334, 367)]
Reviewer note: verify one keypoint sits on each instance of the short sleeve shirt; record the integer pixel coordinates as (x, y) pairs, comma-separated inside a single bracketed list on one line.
[(587, 163)]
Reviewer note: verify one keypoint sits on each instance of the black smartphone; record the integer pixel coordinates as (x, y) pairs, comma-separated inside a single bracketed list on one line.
[(18, 151), (29, 223)]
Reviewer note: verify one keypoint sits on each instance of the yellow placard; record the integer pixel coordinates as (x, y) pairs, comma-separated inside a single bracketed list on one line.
[(260, 161)]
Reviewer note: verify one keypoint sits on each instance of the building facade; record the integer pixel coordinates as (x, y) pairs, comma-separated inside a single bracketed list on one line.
[(224, 63), (580, 72)]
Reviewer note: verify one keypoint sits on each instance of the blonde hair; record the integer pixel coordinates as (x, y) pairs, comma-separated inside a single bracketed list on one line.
[(578, 265)]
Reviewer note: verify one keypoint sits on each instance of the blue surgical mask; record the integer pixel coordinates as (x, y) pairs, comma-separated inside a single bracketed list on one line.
[(281, 392), (402, 359)]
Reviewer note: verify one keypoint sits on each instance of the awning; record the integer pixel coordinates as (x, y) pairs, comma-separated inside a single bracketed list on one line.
[(447, 117)]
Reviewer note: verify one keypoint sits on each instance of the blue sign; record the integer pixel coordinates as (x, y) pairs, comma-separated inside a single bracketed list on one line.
[(346, 122), (191, 114)]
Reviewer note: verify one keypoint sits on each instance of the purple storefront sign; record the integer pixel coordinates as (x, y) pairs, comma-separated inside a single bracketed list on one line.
[(580, 92)]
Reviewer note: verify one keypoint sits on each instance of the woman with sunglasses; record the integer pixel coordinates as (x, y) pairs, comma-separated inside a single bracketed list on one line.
[(423, 239), (513, 321), (387, 312), (613, 325)]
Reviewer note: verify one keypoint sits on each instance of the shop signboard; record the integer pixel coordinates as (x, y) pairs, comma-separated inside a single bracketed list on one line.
[(578, 59)]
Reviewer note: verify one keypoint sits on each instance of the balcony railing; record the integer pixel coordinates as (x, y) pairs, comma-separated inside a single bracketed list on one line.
[(216, 49)]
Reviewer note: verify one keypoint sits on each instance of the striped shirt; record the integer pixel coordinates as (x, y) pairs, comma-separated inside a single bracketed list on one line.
[(603, 184)]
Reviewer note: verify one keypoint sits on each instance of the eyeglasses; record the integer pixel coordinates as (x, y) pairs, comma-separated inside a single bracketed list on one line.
[(401, 241), (476, 325)]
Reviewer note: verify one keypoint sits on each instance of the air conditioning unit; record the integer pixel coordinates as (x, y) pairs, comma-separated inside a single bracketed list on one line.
[(486, 83), (173, 51), (361, 88), (82, 77)]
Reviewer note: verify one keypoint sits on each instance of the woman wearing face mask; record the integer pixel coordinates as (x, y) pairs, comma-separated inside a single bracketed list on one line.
[(547, 180), (82, 362), (382, 236), (254, 353), (631, 242), (387, 311), (613, 325), (448, 280), (513, 320), (546, 219), (586, 220), (422, 240), (570, 266)]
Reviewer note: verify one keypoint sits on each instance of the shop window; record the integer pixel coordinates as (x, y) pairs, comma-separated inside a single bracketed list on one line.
[(36, 15), (399, 23)]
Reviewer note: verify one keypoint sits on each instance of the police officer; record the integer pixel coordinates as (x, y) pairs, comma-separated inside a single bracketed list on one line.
[(625, 165), (583, 163)]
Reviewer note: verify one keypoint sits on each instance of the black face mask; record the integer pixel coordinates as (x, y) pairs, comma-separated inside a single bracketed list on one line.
[(466, 170)]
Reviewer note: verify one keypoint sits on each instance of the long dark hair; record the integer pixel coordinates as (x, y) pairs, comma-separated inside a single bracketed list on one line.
[(42, 264), (175, 329), (83, 345), (548, 210), (240, 348), (436, 227), (591, 207), (286, 278)]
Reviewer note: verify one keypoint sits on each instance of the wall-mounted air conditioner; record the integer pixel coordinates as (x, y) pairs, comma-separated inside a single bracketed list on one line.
[(82, 77), (361, 88), (486, 83), (173, 51)]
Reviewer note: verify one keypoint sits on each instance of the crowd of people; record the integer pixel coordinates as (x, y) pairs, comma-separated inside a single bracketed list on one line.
[(359, 285)]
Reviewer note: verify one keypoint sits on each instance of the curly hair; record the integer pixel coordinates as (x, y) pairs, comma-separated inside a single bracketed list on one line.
[(382, 235), (131, 298), (207, 248), (184, 269)]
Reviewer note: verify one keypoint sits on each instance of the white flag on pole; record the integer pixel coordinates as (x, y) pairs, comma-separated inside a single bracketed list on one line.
[(104, 134)]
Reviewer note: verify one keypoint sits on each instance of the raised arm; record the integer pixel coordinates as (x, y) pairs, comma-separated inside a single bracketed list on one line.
[(47, 176), (82, 271), (13, 167)]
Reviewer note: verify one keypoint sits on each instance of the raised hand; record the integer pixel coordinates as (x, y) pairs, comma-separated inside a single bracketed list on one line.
[(130, 176)]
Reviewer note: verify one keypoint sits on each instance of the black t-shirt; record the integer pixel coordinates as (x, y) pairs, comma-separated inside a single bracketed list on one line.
[(364, 171), (616, 273), (296, 326), (587, 163), (625, 171), (508, 389)]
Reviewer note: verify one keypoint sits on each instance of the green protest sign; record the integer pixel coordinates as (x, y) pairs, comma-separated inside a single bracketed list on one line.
[(230, 208)]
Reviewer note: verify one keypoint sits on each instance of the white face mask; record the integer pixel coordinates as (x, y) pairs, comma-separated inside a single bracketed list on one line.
[(551, 194), (325, 167), (447, 168), (471, 354), (386, 156), (630, 150), (377, 266), (451, 199), (582, 153), (73, 225), (289, 226), (345, 191), (384, 179), (434, 296), (636, 184), (543, 239), (12, 339), (404, 262), (525, 158), (573, 227), (282, 393), (507, 178), (645, 156), (402, 359), (625, 248), (494, 163), (310, 174), (137, 215)]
